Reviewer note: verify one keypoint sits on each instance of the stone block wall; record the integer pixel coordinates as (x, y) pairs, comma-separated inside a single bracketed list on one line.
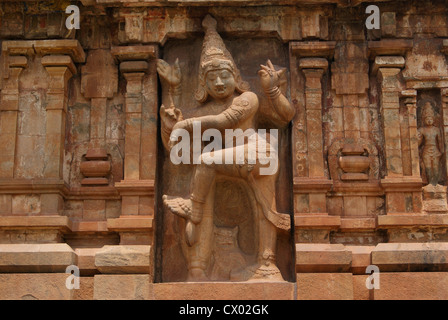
[(82, 167)]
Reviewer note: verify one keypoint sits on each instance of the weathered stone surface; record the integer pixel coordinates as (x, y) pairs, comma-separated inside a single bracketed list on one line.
[(355, 224), (420, 234), (122, 287), (324, 286), (400, 257), (86, 289), (361, 258), (434, 199), (134, 66), (34, 286), (322, 258), (129, 223), (33, 236), (412, 220), (94, 210), (360, 290), (86, 260), (71, 47), (317, 221), (313, 63), (388, 62), (362, 119), (124, 259), (224, 291), (99, 75), (412, 286), (36, 257)]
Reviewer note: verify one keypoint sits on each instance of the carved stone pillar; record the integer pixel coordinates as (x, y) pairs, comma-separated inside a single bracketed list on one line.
[(388, 71), (312, 222), (9, 104), (444, 93), (400, 188), (61, 69), (410, 102), (133, 118), (58, 57), (99, 83), (313, 69), (137, 188), (409, 207), (39, 195), (352, 155)]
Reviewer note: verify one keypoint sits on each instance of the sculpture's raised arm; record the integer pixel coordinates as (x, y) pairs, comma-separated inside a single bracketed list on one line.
[(243, 107), (172, 88), (273, 84), (171, 78)]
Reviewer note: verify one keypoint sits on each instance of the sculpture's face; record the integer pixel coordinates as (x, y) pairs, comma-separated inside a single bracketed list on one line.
[(429, 120), (220, 84)]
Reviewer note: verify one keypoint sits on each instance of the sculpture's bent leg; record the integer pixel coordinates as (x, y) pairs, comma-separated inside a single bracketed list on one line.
[(266, 267), (432, 168), (199, 254)]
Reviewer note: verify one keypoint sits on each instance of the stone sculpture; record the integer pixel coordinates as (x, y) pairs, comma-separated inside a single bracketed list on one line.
[(429, 136), (221, 87)]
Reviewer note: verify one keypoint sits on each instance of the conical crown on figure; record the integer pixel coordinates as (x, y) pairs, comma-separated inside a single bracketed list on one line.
[(428, 111), (215, 56)]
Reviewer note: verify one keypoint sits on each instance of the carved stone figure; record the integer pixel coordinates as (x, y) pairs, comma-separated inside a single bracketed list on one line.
[(221, 87), (227, 257), (430, 137)]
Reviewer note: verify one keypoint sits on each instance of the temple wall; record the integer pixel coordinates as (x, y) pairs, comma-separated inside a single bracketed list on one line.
[(83, 169)]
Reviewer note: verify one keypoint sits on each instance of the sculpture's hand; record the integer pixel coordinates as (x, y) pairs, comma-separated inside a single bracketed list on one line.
[(269, 77), (419, 137), (170, 116), (179, 125), (170, 74)]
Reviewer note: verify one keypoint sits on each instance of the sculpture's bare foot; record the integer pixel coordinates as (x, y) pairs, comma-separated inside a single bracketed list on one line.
[(196, 275), (183, 208), (258, 272), (267, 273), (179, 206)]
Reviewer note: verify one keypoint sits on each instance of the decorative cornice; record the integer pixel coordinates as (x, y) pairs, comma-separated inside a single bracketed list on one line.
[(392, 47), (21, 186), (134, 53), (308, 185), (318, 49), (135, 187), (45, 47), (150, 3)]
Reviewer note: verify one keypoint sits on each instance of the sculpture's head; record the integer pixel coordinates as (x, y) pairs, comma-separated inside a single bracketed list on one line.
[(429, 120), (428, 114), (219, 78), (218, 75)]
